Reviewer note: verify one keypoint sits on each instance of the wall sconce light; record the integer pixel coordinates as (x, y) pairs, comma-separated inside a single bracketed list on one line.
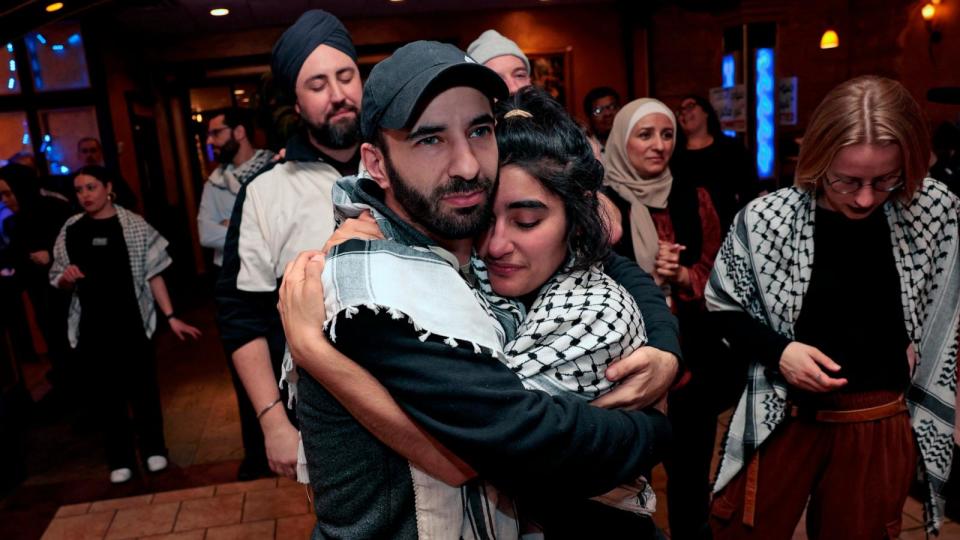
[(929, 13), (829, 39)]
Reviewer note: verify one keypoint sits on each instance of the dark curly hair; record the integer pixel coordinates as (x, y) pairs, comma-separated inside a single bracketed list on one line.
[(551, 147)]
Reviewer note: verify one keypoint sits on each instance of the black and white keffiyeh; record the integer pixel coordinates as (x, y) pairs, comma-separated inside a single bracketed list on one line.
[(580, 322), (148, 257), (764, 268), (233, 178)]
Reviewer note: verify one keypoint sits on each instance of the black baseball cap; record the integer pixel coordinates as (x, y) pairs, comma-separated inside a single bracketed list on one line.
[(396, 86)]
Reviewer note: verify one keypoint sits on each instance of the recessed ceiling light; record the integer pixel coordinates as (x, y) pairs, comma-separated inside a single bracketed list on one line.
[(56, 6), (239, 91), (396, 1), (219, 12)]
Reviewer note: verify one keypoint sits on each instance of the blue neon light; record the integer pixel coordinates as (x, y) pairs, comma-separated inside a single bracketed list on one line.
[(58, 47), (38, 82), (26, 138), (41, 39), (729, 71), (13, 65), (9, 47), (74, 39), (64, 169), (765, 111), (46, 137), (11, 83)]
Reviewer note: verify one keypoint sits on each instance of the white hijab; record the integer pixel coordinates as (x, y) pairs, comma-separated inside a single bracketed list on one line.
[(623, 177)]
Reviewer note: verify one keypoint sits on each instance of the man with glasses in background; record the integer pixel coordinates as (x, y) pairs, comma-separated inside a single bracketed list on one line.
[(601, 106), (229, 135)]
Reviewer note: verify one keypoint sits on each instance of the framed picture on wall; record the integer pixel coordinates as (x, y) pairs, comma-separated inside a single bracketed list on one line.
[(552, 71)]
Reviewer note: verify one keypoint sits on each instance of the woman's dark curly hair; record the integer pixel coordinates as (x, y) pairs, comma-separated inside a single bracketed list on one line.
[(551, 147)]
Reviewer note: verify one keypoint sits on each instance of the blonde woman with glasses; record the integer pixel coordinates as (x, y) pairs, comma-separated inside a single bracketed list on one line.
[(843, 292)]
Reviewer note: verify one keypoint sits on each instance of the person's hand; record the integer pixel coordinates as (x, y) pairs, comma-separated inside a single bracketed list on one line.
[(363, 227), (611, 217), (183, 330), (911, 358), (801, 366), (282, 442), (644, 376), (40, 258), (301, 307), (71, 274), (667, 264)]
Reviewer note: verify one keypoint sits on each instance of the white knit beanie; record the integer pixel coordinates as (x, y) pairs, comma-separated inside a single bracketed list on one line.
[(492, 44)]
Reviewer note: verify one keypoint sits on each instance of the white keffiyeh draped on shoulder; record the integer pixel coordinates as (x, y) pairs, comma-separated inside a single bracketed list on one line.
[(764, 268)]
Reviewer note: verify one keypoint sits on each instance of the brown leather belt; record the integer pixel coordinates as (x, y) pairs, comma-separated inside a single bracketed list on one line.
[(850, 416)]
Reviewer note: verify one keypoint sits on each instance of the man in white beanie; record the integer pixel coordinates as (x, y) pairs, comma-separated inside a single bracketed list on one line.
[(504, 57)]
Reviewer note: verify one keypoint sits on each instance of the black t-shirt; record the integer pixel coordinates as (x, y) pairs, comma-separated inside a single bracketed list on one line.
[(724, 170), (852, 310), (107, 296)]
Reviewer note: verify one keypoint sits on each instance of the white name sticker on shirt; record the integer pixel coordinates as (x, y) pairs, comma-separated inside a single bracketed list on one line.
[(100, 241)]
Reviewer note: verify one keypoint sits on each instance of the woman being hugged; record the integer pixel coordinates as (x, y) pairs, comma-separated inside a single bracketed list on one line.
[(111, 259), (844, 292)]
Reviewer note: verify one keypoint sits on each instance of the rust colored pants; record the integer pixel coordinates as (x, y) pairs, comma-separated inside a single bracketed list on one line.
[(856, 476)]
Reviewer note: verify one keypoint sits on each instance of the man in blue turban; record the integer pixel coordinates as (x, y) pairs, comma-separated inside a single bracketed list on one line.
[(285, 209)]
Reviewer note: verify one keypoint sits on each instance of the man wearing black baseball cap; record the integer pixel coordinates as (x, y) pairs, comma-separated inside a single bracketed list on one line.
[(415, 311), (283, 210)]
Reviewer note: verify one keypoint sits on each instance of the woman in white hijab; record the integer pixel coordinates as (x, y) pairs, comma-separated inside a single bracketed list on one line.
[(671, 229)]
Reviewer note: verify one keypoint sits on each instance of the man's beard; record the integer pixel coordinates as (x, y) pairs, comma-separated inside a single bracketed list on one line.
[(227, 152), (337, 136), (427, 210)]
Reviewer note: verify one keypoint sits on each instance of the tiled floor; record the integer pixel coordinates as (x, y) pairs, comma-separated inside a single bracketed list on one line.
[(63, 447), (261, 509)]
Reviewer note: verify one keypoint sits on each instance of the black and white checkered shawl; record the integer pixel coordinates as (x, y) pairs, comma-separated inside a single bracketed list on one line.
[(580, 322), (147, 251), (764, 268)]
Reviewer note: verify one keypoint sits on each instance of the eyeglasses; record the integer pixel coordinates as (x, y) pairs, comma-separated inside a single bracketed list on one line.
[(216, 132), (846, 186), (611, 107)]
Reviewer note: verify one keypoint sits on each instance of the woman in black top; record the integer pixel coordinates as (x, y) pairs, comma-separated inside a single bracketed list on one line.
[(843, 295), (111, 260), (707, 158)]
